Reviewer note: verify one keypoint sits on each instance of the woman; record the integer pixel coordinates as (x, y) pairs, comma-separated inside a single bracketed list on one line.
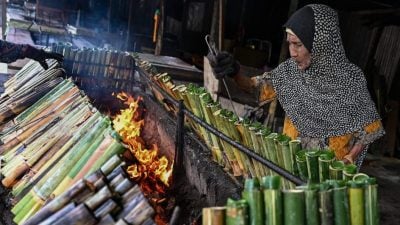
[(10, 52), (324, 95)]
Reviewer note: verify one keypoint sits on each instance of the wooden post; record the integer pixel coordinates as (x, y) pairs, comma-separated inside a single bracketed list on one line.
[(160, 33), (221, 25), (3, 19), (128, 34)]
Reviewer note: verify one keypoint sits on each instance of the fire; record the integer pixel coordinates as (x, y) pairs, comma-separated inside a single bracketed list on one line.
[(129, 124)]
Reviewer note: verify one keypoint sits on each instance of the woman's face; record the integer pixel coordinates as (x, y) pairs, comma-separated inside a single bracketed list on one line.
[(298, 52)]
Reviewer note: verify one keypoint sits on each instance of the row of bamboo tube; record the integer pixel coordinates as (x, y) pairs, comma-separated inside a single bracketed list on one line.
[(105, 197), (27, 86), (98, 68), (332, 202), (56, 141), (278, 148)]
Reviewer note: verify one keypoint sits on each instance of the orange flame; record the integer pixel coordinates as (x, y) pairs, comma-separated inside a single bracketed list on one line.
[(129, 125)]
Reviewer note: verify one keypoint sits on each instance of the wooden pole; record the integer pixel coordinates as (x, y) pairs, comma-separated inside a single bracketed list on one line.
[(3, 19), (130, 21), (221, 25), (160, 33)]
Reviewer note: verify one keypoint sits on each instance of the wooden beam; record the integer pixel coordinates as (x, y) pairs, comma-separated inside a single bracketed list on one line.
[(160, 33)]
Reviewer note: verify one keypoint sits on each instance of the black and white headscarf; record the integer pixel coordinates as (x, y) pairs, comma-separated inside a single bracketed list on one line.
[(330, 98)]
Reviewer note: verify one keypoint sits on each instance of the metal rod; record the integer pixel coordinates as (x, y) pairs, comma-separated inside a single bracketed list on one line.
[(284, 173)]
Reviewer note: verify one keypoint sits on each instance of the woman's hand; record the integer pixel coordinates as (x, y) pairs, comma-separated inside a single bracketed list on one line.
[(353, 154)]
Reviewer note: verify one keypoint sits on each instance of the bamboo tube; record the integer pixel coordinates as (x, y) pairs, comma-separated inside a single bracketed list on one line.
[(213, 216), (96, 180), (142, 212), (256, 136), (57, 203), (312, 165), (120, 169), (111, 164), (340, 204), (324, 161), (312, 210), (206, 102), (253, 196), (270, 142), (97, 199), (272, 200), (302, 164), (336, 170), (371, 202), (349, 171), (124, 186), (325, 204), (30, 211), (236, 212), (107, 220), (57, 215), (106, 208), (121, 222), (81, 215), (295, 147), (131, 203), (293, 207), (357, 203)]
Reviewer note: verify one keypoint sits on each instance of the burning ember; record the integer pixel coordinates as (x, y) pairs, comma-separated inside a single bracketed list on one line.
[(152, 172)]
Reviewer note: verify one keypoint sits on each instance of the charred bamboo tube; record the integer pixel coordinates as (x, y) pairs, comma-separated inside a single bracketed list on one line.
[(293, 207), (253, 195), (81, 215), (349, 171), (340, 204), (214, 216), (57, 215), (96, 200), (57, 203), (236, 212), (121, 222), (324, 161), (141, 213), (107, 220), (325, 204), (357, 203), (106, 208), (120, 169), (312, 165), (272, 200), (371, 202), (336, 170), (124, 186)]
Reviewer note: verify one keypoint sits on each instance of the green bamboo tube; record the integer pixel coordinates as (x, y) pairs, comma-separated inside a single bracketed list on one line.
[(114, 149), (349, 171), (371, 202), (340, 204), (233, 132), (293, 207), (242, 126), (27, 214), (301, 163), (324, 161), (295, 147), (213, 216), (272, 200), (237, 212), (206, 102), (312, 209), (312, 165), (325, 204), (336, 170), (270, 142), (254, 198), (357, 203)]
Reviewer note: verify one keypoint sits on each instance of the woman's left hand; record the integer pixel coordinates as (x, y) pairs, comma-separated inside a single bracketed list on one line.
[(353, 154)]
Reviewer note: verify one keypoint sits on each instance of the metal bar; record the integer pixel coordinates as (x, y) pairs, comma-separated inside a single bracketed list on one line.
[(284, 173)]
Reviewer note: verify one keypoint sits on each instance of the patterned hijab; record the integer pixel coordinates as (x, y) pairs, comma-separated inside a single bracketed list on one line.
[(330, 98)]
